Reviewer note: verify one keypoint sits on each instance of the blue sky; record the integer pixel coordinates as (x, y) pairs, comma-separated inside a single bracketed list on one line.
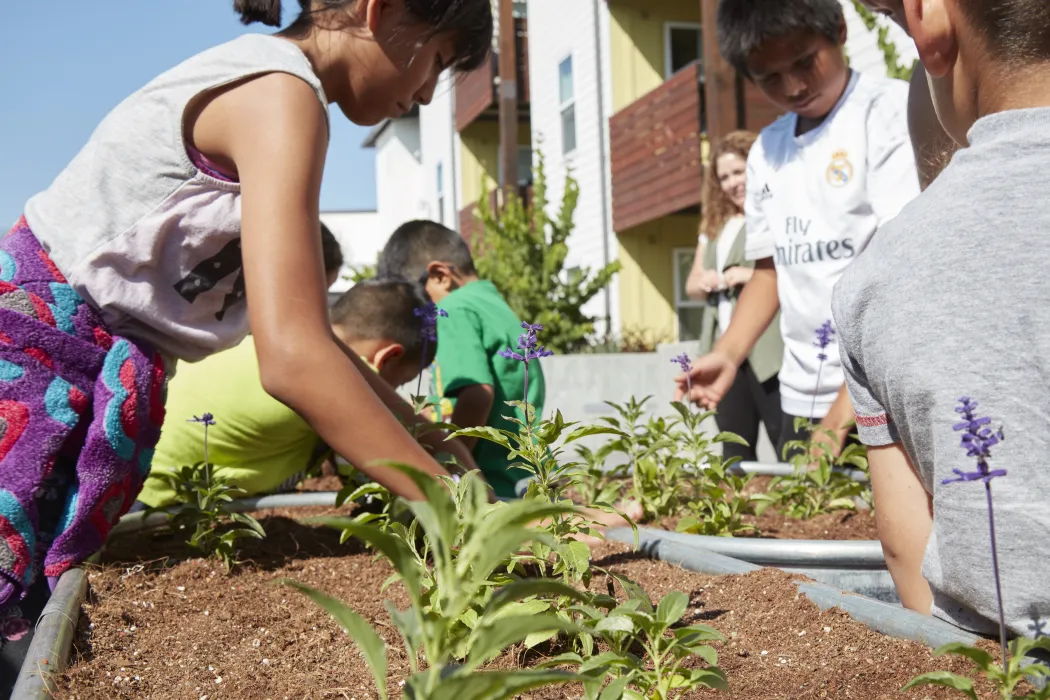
[(66, 64)]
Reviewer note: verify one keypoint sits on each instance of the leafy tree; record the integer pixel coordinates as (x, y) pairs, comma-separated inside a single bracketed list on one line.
[(894, 67), (522, 250)]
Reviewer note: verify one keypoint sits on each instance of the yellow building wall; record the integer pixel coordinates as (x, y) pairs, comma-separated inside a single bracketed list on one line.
[(637, 51), (479, 156), (636, 44), (647, 277)]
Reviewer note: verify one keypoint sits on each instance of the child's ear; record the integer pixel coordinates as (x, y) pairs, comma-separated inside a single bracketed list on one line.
[(843, 31), (932, 27), (387, 356)]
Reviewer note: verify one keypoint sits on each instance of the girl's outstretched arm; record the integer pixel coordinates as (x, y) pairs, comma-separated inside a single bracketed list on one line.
[(273, 130)]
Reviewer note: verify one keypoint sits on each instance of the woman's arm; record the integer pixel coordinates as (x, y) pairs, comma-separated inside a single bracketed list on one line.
[(274, 130), (698, 285), (904, 515)]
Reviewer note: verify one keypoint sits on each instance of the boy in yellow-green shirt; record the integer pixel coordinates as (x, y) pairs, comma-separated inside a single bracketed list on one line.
[(257, 443)]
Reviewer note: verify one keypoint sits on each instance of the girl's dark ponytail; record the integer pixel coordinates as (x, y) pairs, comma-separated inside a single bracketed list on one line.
[(266, 11)]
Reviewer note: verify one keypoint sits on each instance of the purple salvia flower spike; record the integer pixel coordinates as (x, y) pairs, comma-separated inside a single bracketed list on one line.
[(977, 440), (685, 364), (824, 334), (428, 332), (529, 350)]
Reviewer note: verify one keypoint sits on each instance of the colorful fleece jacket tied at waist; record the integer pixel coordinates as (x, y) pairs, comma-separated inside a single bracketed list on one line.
[(80, 414)]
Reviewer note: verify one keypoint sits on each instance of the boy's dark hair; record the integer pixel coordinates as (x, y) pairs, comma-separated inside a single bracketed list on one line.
[(1016, 30), (468, 21), (333, 253), (416, 244), (744, 25), (385, 310)]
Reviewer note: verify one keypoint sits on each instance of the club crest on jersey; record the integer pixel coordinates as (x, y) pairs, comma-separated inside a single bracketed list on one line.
[(840, 170)]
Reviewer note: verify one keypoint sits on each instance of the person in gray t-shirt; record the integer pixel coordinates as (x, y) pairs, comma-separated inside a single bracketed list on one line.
[(950, 300)]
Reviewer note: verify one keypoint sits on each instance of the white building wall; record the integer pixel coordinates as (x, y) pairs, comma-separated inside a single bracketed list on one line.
[(558, 29), (400, 193), (439, 146), (360, 236)]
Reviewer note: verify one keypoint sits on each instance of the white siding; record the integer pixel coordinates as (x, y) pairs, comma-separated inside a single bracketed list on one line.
[(558, 29), (440, 146), (360, 236), (400, 194)]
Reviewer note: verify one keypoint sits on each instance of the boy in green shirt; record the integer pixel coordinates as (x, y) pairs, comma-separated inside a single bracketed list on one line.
[(469, 370), (258, 444)]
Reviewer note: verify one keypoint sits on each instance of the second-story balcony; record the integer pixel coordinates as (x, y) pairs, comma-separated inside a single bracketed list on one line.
[(656, 150), (476, 92)]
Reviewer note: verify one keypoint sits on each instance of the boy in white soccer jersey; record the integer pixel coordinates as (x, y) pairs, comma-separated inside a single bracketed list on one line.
[(821, 180)]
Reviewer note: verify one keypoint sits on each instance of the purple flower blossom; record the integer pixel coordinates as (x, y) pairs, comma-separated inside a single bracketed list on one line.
[(528, 345), (206, 419), (428, 332), (531, 350), (683, 361), (429, 314), (978, 440), (824, 334)]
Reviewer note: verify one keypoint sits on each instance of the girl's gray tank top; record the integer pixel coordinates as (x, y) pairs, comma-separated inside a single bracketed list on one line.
[(139, 231)]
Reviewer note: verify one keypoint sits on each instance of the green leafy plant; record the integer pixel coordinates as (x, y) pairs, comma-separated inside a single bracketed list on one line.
[(593, 483), (523, 237), (454, 613), (658, 672), (895, 68), (819, 483), (360, 273), (1005, 679), (719, 500), (203, 497)]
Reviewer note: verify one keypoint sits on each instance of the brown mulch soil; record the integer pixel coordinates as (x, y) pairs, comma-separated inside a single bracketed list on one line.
[(161, 628)]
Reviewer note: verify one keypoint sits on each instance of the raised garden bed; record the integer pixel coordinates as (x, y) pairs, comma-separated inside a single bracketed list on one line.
[(161, 626)]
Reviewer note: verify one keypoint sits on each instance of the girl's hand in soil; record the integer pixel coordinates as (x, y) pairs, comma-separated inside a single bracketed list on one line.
[(737, 276)]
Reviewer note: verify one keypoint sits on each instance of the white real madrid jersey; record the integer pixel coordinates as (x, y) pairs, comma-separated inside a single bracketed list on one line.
[(813, 203)]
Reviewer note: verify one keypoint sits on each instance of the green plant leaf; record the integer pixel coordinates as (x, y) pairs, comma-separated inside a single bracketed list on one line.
[(842, 504), (731, 438), (497, 685), (491, 639), (401, 557), (671, 607), (980, 657), (252, 524), (614, 691), (615, 623), (634, 591), (713, 677), (535, 587), (485, 433), (946, 679), (589, 430), (370, 643)]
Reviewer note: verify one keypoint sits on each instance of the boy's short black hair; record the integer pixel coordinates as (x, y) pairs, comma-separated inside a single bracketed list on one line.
[(416, 244), (333, 253), (744, 25), (384, 309), (1016, 30)]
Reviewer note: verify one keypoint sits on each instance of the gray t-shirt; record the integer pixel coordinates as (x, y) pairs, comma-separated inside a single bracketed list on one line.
[(139, 231), (949, 300)]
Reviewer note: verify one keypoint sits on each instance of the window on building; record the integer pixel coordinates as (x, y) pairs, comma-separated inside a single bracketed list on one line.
[(684, 44), (441, 193), (690, 312), (567, 103), (524, 166)]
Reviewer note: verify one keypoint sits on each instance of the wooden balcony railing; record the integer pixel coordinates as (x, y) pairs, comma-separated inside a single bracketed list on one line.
[(476, 94), (655, 151)]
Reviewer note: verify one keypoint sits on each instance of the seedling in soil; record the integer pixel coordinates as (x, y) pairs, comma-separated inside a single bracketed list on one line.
[(647, 650), (977, 440), (453, 612), (214, 531)]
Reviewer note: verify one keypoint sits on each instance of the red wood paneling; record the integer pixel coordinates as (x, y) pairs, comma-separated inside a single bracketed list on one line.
[(655, 152), (476, 93)]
